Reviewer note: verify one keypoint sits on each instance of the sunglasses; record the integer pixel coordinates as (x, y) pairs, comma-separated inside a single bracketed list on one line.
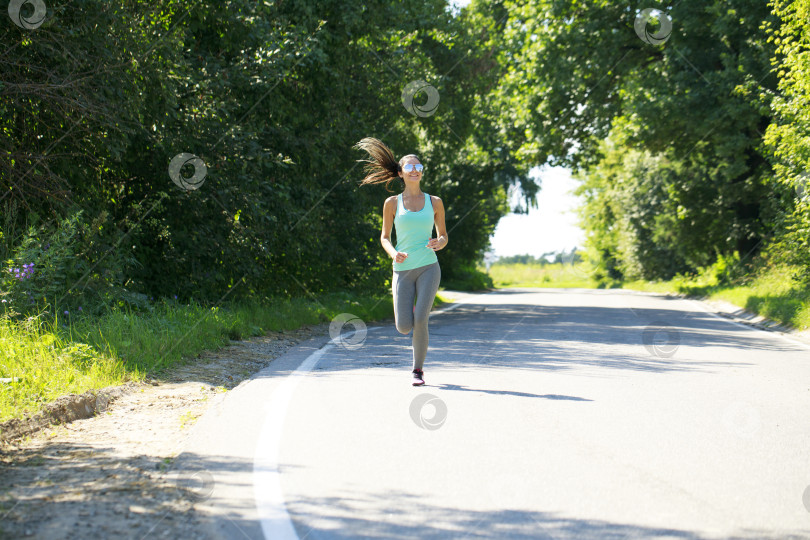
[(408, 167)]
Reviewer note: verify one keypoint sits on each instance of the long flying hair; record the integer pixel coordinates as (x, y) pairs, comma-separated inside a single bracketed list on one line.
[(383, 166)]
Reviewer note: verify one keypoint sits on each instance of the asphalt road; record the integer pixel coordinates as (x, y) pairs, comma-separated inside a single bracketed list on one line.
[(547, 413)]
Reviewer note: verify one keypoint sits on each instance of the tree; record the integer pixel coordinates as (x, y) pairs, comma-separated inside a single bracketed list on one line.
[(578, 73), (788, 136)]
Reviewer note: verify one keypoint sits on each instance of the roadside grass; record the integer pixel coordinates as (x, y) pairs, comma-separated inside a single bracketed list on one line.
[(150, 343), (45, 360), (771, 293), (536, 275), (39, 364)]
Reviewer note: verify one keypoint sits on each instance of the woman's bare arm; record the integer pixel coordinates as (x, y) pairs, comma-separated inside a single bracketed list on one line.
[(438, 219), (389, 208)]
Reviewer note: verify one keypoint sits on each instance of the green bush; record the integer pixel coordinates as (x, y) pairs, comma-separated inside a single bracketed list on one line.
[(468, 278), (64, 268)]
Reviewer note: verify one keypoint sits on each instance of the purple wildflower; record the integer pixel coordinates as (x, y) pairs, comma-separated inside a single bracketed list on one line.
[(26, 272)]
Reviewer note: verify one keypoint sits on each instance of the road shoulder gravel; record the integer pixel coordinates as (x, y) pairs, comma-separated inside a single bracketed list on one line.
[(111, 474)]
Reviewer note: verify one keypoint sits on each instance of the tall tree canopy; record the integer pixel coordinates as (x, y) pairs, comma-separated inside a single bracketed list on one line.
[(204, 149), (661, 112), (253, 108)]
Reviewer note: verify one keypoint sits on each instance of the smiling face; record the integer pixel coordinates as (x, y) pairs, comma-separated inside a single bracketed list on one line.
[(412, 175)]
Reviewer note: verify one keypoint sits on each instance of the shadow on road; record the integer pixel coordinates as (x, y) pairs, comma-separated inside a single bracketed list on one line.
[(507, 392), (404, 515), (152, 498), (554, 338)]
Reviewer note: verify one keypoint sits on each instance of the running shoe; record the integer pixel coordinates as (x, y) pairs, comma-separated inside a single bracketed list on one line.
[(417, 377)]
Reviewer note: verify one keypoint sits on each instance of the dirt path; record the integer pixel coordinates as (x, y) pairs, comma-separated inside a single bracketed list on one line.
[(110, 476)]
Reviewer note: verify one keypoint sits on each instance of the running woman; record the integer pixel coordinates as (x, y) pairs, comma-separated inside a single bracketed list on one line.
[(415, 265)]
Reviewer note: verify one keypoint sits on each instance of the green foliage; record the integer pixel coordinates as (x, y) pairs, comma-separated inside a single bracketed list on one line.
[(667, 138), (520, 259), (646, 216), (572, 257), (43, 364), (271, 97), (149, 342), (468, 278), (42, 267), (63, 267), (543, 274), (767, 290), (788, 136), (726, 270)]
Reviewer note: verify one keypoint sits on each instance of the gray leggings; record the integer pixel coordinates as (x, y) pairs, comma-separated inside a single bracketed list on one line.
[(423, 282)]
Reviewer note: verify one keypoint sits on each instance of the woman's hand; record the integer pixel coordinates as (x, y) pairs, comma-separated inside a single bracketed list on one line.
[(437, 243), (400, 256)]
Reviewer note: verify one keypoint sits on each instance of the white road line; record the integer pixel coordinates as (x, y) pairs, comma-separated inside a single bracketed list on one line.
[(267, 493), (270, 507), (269, 498)]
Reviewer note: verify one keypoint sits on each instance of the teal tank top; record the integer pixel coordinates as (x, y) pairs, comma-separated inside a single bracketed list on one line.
[(413, 230)]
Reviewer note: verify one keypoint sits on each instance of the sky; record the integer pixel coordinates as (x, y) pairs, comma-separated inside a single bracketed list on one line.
[(457, 4), (552, 226)]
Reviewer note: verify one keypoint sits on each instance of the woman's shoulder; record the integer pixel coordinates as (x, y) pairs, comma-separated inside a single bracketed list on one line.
[(390, 204)]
